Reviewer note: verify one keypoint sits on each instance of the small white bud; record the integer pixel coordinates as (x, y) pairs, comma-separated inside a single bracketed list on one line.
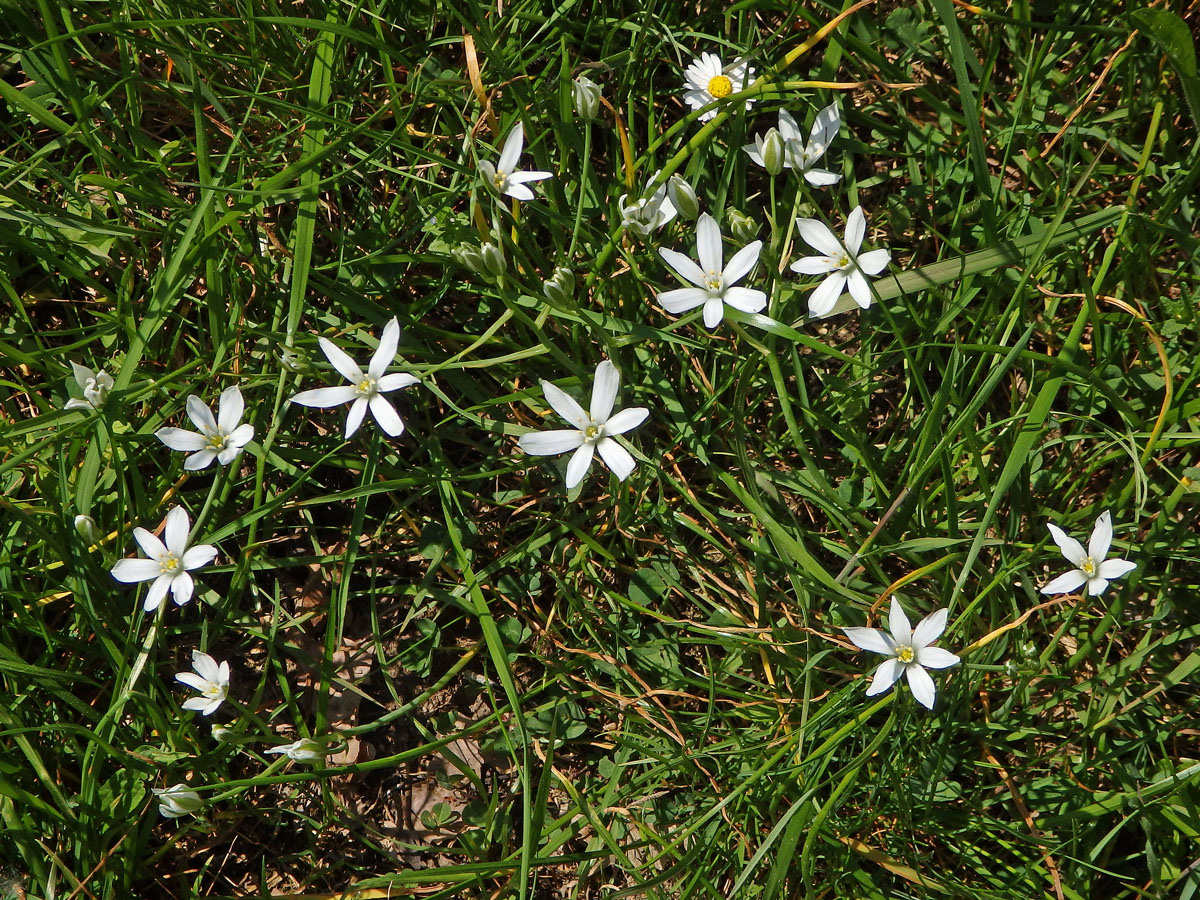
[(85, 527), (744, 228), (683, 197), (586, 94), (559, 288), (772, 152)]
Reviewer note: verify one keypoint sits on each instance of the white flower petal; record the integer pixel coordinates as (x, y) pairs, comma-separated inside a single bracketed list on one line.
[(389, 340), (936, 658), (885, 676), (200, 414), (856, 229), (131, 571), (922, 686), (149, 542), (182, 586), (178, 439), (930, 628), (742, 262), (818, 236), (825, 295), (241, 436), (341, 360), (1101, 538), (358, 409), (200, 459), (626, 419), (518, 192), (898, 624), (681, 300), (1115, 568), (708, 244), (812, 265), (192, 680), (205, 666), (687, 269), (745, 299), (1065, 583), (550, 443), (873, 261), (859, 288), (870, 639), (578, 466), (604, 391), (513, 145), (82, 375), (714, 312), (396, 381), (616, 457), (326, 397), (565, 405), (531, 175), (788, 129), (175, 533), (1096, 586), (195, 557), (821, 177), (1071, 548), (230, 407), (158, 590), (387, 417)]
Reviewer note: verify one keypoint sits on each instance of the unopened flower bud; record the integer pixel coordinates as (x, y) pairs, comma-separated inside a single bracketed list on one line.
[(559, 288), (85, 527), (772, 151), (469, 257), (744, 228), (683, 197), (493, 260), (586, 94)]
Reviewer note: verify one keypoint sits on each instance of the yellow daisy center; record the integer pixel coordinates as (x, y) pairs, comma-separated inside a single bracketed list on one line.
[(720, 86), (906, 655)]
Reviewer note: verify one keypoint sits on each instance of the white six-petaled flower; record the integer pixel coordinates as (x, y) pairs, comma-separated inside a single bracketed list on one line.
[(303, 750), (799, 155), (706, 81), (503, 177), (841, 263), (168, 564), (593, 430), (1091, 567), (908, 652), (221, 438), (95, 387), (210, 679), (178, 800), (713, 279), (366, 389), (647, 214)]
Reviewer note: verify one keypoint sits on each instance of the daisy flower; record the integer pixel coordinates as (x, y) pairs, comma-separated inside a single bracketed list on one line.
[(707, 81), (908, 652), (366, 389), (592, 430), (168, 564), (1091, 568), (503, 177), (840, 262), (713, 279), (221, 438)]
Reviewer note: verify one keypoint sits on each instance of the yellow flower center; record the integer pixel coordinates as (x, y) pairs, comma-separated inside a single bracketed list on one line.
[(366, 387), (591, 432), (169, 564), (842, 260), (906, 655), (1089, 567), (720, 86), (713, 281), (216, 441)]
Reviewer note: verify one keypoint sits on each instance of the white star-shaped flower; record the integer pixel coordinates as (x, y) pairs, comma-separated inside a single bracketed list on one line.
[(706, 80), (366, 389), (843, 265), (168, 564), (503, 177), (303, 750), (1091, 567), (647, 214), (908, 651), (95, 387), (713, 279), (593, 430), (210, 679), (799, 155), (221, 438), (177, 800)]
